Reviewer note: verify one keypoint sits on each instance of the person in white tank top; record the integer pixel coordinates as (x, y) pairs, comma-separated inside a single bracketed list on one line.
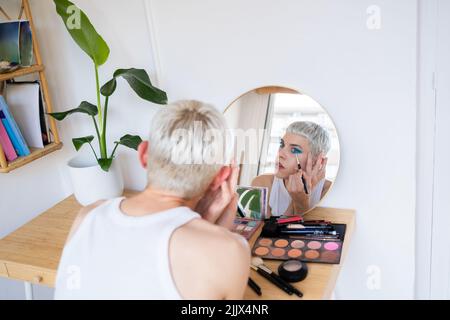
[(306, 143), (172, 240)]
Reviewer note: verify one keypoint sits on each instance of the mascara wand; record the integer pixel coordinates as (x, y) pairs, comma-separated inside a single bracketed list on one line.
[(303, 178)]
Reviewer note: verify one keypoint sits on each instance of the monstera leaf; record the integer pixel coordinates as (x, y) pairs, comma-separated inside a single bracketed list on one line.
[(139, 81), (78, 142), (84, 107), (130, 141), (82, 31), (105, 164)]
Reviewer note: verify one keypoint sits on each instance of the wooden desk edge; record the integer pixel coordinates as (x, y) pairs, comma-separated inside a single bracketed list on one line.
[(20, 271), (349, 220)]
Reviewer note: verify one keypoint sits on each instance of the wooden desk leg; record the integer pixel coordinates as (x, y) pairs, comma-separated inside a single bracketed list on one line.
[(28, 290)]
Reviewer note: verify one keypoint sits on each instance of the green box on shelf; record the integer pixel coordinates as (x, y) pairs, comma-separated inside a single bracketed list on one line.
[(253, 201)]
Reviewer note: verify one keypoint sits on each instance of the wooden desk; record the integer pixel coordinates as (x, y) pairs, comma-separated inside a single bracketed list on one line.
[(32, 253), (321, 279)]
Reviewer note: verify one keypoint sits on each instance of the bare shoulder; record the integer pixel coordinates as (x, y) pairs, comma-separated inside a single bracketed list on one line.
[(264, 180), (80, 217), (207, 235), (218, 261)]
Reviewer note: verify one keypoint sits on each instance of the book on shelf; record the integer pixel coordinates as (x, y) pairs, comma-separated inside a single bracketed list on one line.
[(6, 144), (26, 105), (45, 128), (13, 130)]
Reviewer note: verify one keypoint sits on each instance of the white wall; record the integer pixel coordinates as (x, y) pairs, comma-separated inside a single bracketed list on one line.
[(215, 51), (366, 79), (426, 121), (440, 266)]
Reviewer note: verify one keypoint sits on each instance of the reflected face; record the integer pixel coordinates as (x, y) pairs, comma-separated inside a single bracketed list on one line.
[(291, 145)]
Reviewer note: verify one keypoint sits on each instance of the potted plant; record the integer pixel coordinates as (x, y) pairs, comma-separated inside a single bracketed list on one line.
[(101, 177)]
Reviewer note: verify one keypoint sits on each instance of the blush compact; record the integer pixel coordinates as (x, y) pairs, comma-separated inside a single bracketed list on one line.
[(293, 270)]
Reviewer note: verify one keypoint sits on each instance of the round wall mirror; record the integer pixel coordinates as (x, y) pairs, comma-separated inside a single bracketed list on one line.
[(285, 142)]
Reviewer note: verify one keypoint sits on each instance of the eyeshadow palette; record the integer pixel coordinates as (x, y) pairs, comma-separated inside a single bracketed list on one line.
[(246, 227), (308, 250)]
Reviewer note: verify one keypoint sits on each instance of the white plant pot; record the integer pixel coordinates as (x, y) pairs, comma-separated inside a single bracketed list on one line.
[(91, 183)]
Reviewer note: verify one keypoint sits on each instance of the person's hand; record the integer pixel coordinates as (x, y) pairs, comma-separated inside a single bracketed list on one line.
[(219, 206), (317, 173), (312, 175), (297, 192)]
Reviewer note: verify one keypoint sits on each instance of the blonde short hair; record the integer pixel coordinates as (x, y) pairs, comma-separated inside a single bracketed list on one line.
[(188, 145), (318, 137)]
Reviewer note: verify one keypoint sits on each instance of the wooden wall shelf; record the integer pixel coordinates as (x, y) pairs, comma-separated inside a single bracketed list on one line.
[(21, 72), (38, 67), (34, 155)]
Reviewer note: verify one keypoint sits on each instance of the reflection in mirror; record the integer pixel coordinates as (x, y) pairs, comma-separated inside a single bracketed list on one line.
[(287, 143)]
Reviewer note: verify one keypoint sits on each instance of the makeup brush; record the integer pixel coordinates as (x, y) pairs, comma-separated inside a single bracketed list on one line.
[(303, 178), (266, 275), (259, 263), (309, 232), (308, 227), (314, 237)]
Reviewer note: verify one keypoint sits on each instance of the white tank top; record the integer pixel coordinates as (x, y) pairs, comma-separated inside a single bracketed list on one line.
[(280, 199), (115, 256)]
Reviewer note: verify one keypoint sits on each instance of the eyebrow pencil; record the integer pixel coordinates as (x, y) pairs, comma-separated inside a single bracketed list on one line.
[(303, 178), (252, 284), (274, 281)]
